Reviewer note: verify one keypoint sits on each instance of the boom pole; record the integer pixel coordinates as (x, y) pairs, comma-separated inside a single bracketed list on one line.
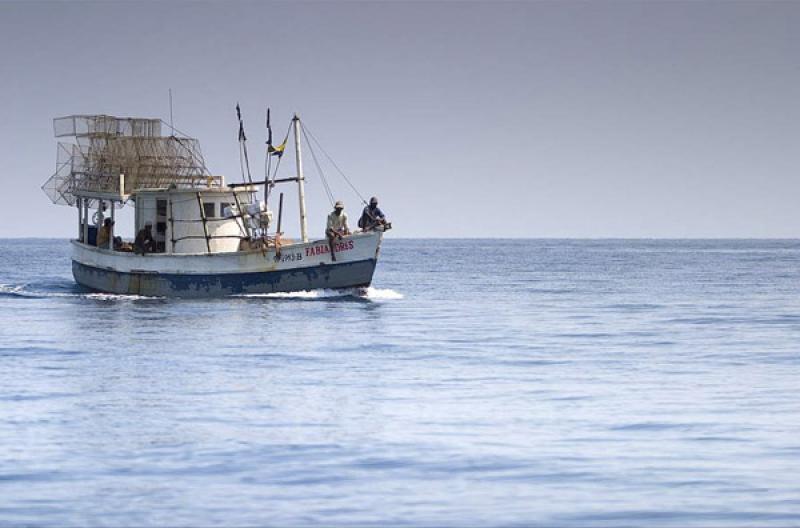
[(300, 185)]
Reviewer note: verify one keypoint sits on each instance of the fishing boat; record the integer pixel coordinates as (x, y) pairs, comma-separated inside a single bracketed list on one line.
[(205, 237)]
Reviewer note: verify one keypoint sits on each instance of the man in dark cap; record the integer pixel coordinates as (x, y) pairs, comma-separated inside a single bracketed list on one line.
[(372, 217)]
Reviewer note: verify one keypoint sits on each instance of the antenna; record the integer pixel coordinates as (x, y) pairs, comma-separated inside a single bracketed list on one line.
[(171, 123)]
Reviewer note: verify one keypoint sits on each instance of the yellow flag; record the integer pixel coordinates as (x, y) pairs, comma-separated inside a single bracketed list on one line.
[(276, 151)]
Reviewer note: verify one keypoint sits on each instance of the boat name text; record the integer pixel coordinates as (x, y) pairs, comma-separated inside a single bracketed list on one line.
[(323, 248)]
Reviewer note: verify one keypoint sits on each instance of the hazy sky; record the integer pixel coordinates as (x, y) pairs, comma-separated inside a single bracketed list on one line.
[(535, 119)]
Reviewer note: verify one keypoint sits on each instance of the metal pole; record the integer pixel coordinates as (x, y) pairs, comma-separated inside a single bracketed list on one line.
[(300, 187), (85, 221), (111, 231), (203, 217), (170, 226), (280, 215), (80, 218)]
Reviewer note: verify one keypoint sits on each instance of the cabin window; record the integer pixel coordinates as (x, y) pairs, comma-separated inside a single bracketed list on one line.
[(161, 208), (222, 207), (161, 228), (208, 209)]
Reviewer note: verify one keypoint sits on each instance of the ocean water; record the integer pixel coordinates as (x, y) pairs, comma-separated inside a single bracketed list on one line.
[(478, 383)]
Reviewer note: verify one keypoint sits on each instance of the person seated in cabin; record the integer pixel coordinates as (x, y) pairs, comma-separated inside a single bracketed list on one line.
[(337, 226), (104, 234), (372, 217), (144, 242)]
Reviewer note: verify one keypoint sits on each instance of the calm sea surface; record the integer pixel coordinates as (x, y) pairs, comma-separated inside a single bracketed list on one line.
[(574, 383)]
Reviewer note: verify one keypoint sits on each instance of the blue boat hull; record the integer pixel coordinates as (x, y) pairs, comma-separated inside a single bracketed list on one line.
[(325, 276)]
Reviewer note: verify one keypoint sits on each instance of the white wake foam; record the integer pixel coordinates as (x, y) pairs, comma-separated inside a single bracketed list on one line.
[(12, 289), (117, 297), (20, 290), (371, 293), (382, 293)]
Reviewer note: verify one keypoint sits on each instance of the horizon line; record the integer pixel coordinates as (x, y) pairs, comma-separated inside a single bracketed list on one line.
[(797, 238)]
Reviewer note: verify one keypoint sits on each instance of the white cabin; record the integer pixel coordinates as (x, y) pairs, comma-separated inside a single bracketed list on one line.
[(194, 220)]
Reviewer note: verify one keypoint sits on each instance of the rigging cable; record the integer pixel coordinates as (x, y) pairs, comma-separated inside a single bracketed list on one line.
[(267, 158), (346, 179), (319, 168), (278, 164)]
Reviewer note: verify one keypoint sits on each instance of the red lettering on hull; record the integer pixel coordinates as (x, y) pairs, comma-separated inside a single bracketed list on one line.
[(323, 248)]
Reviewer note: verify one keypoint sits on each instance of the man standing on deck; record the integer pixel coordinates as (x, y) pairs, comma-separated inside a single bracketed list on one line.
[(337, 226)]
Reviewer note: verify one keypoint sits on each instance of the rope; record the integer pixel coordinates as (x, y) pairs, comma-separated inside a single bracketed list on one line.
[(346, 179), (247, 163), (210, 237), (243, 146), (277, 165), (267, 166), (319, 168), (189, 221)]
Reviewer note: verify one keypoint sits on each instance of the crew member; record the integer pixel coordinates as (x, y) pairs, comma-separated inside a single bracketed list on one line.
[(372, 217), (144, 242), (337, 226), (104, 234), (99, 216)]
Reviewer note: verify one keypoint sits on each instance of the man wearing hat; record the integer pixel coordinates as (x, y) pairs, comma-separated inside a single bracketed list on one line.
[(372, 216), (337, 226)]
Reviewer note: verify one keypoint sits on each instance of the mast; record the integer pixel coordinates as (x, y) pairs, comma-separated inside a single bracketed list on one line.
[(300, 186)]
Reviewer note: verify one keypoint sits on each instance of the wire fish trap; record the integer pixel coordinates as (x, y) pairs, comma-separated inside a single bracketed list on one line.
[(119, 155)]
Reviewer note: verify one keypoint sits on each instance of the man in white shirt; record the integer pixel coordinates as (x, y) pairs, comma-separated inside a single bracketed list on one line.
[(337, 226)]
